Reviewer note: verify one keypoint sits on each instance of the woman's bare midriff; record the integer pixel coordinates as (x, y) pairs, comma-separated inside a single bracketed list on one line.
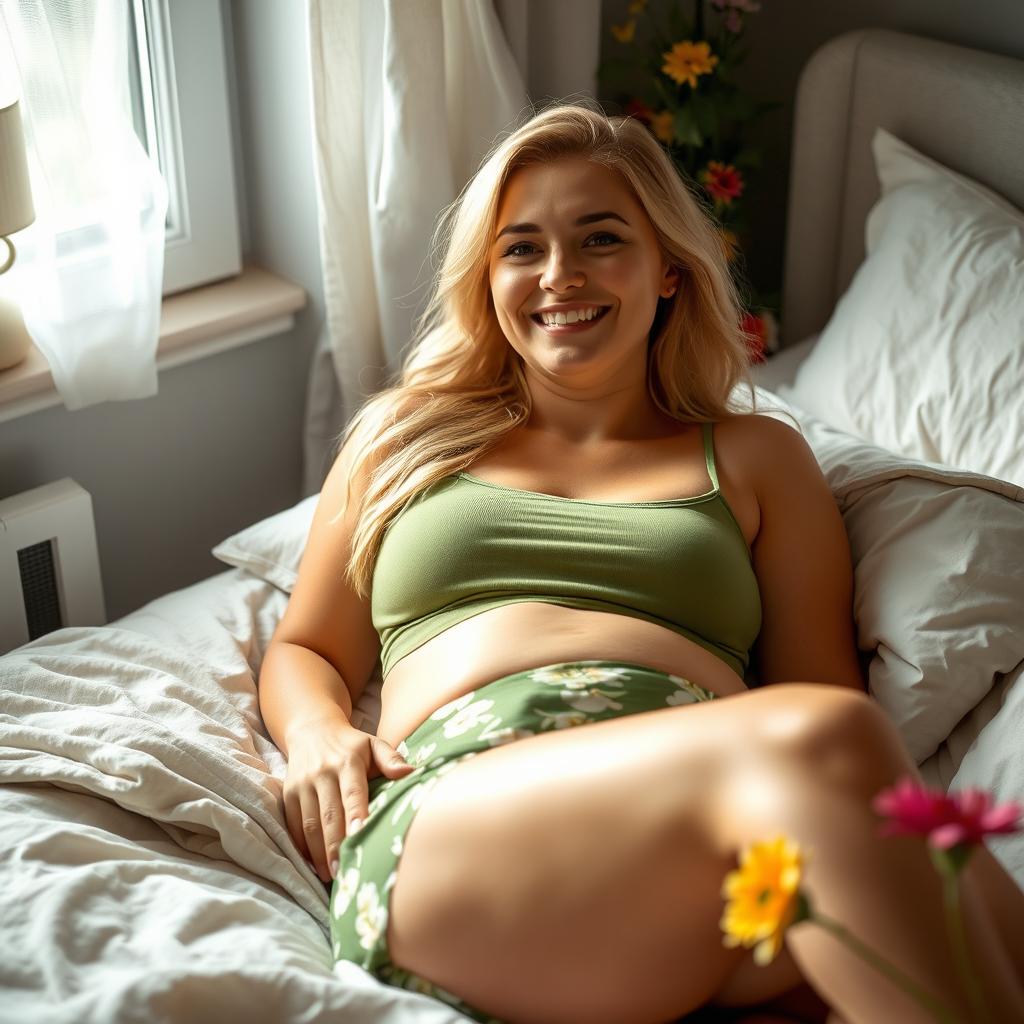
[(517, 637), (529, 634)]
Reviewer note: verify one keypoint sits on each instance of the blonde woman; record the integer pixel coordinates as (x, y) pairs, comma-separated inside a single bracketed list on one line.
[(572, 555)]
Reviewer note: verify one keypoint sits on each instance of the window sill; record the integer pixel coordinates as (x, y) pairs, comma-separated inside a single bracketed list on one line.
[(193, 324)]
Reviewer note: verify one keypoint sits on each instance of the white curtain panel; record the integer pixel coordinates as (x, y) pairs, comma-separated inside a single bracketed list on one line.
[(407, 97), (89, 272)]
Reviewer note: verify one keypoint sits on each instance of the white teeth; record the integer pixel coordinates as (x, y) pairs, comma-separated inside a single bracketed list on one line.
[(574, 315)]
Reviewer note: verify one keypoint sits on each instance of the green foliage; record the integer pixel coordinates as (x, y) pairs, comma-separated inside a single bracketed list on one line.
[(709, 121)]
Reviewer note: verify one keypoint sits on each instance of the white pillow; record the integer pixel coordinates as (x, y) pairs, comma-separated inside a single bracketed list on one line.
[(938, 601), (938, 557), (924, 354), (272, 548)]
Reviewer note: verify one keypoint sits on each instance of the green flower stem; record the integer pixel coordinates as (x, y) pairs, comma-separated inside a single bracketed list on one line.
[(958, 939), (905, 982)]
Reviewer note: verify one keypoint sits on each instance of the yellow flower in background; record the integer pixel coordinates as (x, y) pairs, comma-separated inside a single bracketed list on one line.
[(661, 125), (729, 243), (686, 60), (763, 897), (624, 33), (637, 6)]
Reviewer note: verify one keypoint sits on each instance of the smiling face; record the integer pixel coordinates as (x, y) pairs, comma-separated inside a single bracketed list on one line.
[(572, 235)]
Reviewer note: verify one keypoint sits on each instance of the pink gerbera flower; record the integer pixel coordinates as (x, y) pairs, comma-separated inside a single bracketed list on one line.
[(946, 819)]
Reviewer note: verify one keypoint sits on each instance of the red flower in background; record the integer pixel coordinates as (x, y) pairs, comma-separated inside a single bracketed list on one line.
[(639, 110), (722, 181), (753, 327), (946, 819)]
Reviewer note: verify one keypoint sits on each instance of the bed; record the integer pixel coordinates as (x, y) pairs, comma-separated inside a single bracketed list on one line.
[(146, 872)]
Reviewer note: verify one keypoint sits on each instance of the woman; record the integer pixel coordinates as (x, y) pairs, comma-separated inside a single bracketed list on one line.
[(569, 550)]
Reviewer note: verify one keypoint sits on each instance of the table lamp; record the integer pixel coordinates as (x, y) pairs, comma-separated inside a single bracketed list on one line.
[(16, 212)]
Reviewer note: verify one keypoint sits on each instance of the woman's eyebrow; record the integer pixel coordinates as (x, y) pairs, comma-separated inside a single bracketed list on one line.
[(587, 218)]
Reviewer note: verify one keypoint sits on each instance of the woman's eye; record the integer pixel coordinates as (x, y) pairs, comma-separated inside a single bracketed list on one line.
[(607, 234), (511, 251)]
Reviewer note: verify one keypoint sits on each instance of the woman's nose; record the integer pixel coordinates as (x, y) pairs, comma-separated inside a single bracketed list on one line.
[(561, 270)]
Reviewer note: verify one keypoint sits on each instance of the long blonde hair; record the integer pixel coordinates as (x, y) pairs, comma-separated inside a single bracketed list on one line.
[(461, 386)]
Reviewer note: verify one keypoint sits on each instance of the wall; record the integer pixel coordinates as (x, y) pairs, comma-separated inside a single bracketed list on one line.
[(220, 445), (782, 37)]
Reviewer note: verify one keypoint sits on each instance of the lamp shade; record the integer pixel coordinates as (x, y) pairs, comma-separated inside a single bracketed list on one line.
[(16, 209)]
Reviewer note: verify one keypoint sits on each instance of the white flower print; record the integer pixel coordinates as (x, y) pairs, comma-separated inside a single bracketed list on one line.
[(451, 766), (413, 798), (397, 845), (402, 749), (344, 889), (453, 705), (371, 915), (590, 700), (390, 883), (422, 753), (467, 718), (507, 735), (562, 719), (577, 677), (415, 795), (686, 688)]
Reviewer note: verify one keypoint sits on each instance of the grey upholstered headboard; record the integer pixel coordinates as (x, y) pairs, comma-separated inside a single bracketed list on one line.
[(962, 107)]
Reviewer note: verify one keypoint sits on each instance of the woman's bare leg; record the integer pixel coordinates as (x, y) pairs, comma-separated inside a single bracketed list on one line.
[(884, 890), (556, 879), (576, 875)]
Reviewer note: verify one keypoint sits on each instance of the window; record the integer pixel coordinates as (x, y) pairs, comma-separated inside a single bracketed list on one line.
[(180, 109)]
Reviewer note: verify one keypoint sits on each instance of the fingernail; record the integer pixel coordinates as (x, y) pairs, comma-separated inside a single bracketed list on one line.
[(334, 869), (356, 825)]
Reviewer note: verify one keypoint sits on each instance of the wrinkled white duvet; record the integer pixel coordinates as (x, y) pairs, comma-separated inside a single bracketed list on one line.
[(146, 873)]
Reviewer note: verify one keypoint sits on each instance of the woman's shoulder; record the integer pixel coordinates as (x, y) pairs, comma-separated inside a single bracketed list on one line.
[(758, 433), (763, 448)]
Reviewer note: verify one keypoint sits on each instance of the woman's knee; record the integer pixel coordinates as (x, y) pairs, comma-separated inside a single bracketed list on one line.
[(832, 729)]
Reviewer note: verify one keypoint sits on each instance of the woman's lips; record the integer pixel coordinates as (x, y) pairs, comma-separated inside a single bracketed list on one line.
[(580, 325)]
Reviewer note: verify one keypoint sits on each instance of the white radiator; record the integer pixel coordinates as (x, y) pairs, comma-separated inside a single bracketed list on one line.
[(49, 563)]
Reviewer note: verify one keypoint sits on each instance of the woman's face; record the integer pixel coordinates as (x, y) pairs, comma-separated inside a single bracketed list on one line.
[(543, 256)]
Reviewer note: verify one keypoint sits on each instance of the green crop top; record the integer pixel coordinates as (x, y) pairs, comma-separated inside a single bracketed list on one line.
[(464, 545)]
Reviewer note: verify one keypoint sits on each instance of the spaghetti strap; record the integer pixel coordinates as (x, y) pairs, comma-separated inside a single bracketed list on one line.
[(709, 455)]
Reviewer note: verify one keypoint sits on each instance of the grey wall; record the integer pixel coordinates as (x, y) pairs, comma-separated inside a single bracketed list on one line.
[(782, 37), (220, 445)]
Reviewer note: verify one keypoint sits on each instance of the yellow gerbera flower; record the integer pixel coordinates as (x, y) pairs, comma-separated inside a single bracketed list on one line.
[(764, 897), (661, 125), (625, 33), (686, 60)]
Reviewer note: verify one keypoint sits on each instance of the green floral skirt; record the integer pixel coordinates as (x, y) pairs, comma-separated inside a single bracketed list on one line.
[(508, 709)]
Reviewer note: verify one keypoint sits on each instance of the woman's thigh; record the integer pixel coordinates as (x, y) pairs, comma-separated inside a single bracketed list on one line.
[(576, 874)]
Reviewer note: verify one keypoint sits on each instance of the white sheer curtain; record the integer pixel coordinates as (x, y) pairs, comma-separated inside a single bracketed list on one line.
[(89, 272), (406, 99)]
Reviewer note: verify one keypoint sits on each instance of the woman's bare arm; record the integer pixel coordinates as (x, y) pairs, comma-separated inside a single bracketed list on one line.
[(803, 564), (299, 688), (318, 663), (324, 649)]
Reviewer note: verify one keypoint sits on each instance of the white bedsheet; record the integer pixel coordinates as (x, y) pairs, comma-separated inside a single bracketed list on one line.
[(146, 873)]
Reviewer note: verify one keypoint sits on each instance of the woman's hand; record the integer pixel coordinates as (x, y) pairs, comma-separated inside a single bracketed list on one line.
[(326, 791)]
